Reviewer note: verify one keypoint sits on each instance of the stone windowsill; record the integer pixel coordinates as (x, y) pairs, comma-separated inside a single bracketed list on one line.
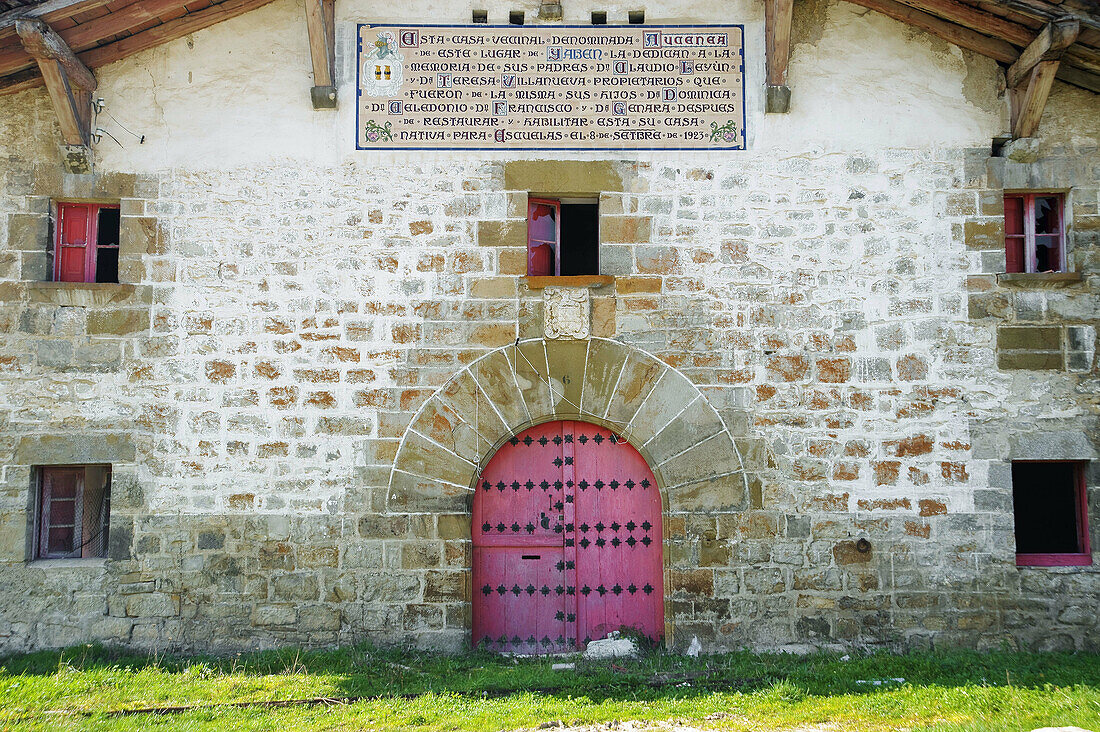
[(538, 283), (97, 563), (80, 294), (1039, 280)]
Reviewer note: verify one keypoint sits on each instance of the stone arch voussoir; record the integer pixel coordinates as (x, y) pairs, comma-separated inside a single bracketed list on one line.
[(695, 457)]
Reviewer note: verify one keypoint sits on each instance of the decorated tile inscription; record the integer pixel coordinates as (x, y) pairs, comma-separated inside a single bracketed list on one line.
[(550, 87)]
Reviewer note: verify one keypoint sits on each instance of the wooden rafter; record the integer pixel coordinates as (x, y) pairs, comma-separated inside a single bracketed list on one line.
[(143, 40), (51, 11), (777, 33), (1079, 77), (1044, 11), (1018, 34), (321, 26), (1030, 77), (70, 85), (995, 45), (979, 20), (89, 33), (994, 48)]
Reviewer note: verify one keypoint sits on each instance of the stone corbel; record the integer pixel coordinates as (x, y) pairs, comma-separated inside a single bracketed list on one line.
[(70, 85)]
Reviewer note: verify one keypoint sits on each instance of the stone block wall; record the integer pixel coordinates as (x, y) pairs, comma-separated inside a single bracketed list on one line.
[(288, 384)]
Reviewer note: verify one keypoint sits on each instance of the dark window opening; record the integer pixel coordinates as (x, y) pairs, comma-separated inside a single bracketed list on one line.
[(515, 17), (563, 237), (481, 16), (106, 264), (580, 236), (599, 17), (636, 17), (1034, 233), (87, 243), (73, 514), (1048, 500)]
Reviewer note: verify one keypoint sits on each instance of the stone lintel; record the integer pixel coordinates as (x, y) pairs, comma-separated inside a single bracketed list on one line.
[(1039, 280), (590, 281), (75, 449), (563, 177), (85, 294)]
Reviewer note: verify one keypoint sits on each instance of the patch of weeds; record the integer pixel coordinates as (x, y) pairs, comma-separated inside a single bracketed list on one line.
[(785, 692), (646, 645)]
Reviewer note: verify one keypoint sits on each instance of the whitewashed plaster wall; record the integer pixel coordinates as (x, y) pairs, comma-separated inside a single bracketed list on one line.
[(238, 93)]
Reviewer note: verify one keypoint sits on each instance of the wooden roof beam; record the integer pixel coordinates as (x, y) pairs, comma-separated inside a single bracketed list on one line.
[(155, 36), (1030, 77), (89, 34), (979, 20), (1044, 11), (321, 26), (70, 85), (1049, 45), (777, 36), (995, 48), (51, 11), (1079, 77)]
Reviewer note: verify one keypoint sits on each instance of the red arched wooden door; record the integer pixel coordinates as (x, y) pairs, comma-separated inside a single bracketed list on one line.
[(567, 541)]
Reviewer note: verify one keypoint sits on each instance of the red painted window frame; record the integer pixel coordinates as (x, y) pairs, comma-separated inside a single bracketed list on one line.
[(91, 245), (1066, 559), (555, 204), (1029, 257), (43, 523)]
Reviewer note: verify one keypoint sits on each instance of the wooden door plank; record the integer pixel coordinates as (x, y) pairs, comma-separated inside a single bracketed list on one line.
[(521, 596), (569, 516), (619, 556)]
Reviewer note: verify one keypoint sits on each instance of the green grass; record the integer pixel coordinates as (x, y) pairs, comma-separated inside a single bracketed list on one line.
[(86, 687)]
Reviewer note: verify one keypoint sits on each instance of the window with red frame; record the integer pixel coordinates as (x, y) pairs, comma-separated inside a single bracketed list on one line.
[(1051, 513), (1035, 236), (74, 507), (87, 243), (562, 237)]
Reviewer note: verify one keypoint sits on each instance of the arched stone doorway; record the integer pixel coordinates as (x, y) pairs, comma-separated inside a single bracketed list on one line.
[(659, 411), (567, 541)]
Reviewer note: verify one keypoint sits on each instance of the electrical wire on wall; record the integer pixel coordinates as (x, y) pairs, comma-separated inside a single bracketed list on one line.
[(98, 108)]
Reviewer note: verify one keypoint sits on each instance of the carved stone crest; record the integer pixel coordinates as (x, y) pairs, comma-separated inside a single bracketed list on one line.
[(566, 312)]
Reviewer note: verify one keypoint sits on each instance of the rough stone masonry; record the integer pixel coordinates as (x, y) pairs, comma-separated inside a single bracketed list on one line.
[(313, 350)]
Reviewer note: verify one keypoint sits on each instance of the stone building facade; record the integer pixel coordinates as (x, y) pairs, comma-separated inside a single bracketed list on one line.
[(312, 350)]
